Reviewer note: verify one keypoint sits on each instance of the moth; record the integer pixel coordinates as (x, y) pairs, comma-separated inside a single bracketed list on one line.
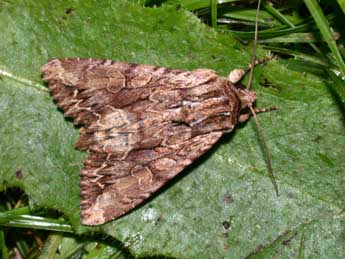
[(141, 125)]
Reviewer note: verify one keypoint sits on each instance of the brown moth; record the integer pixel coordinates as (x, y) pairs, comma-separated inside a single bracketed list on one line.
[(141, 125)]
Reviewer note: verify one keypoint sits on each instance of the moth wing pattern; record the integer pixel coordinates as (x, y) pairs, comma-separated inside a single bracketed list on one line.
[(114, 187), (141, 126)]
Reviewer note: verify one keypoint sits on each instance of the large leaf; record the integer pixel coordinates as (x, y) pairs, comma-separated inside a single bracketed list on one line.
[(228, 187)]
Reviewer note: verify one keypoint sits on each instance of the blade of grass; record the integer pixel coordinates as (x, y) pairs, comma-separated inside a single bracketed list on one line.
[(286, 21), (34, 251), (50, 246), (72, 251), (270, 34), (28, 221), (301, 37), (323, 25), (4, 251), (304, 26), (302, 56), (280, 31), (301, 247), (280, 17), (103, 251), (23, 248), (213, 4), (337, 90), (249, 15), (341, 3), (304, 67), (19, 211), (193, 5)]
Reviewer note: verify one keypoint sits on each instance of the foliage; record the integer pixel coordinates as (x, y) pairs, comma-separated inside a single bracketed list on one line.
[(224, 205)]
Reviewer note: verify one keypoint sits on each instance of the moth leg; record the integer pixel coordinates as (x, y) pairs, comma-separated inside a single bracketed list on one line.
[(237, 74), (244, 117)]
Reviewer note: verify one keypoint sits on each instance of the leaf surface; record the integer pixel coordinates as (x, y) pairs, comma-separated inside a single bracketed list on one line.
[(224, 205)]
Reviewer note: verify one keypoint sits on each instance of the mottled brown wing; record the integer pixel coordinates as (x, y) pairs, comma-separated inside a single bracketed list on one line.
[(84, 88), (142, 125), (112, 187)]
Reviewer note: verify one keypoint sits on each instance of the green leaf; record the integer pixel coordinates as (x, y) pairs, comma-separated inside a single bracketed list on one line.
[(229, 184), (341, 3)]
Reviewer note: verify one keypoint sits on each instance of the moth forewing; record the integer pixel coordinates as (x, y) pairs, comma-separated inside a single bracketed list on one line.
[(141, 125)]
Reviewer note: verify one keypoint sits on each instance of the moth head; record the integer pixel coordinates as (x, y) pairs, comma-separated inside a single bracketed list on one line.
[(247, 97)]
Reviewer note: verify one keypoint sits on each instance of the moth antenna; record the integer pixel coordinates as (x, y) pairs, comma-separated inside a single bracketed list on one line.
[(265, 148), (260, 131), (254, 46)]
